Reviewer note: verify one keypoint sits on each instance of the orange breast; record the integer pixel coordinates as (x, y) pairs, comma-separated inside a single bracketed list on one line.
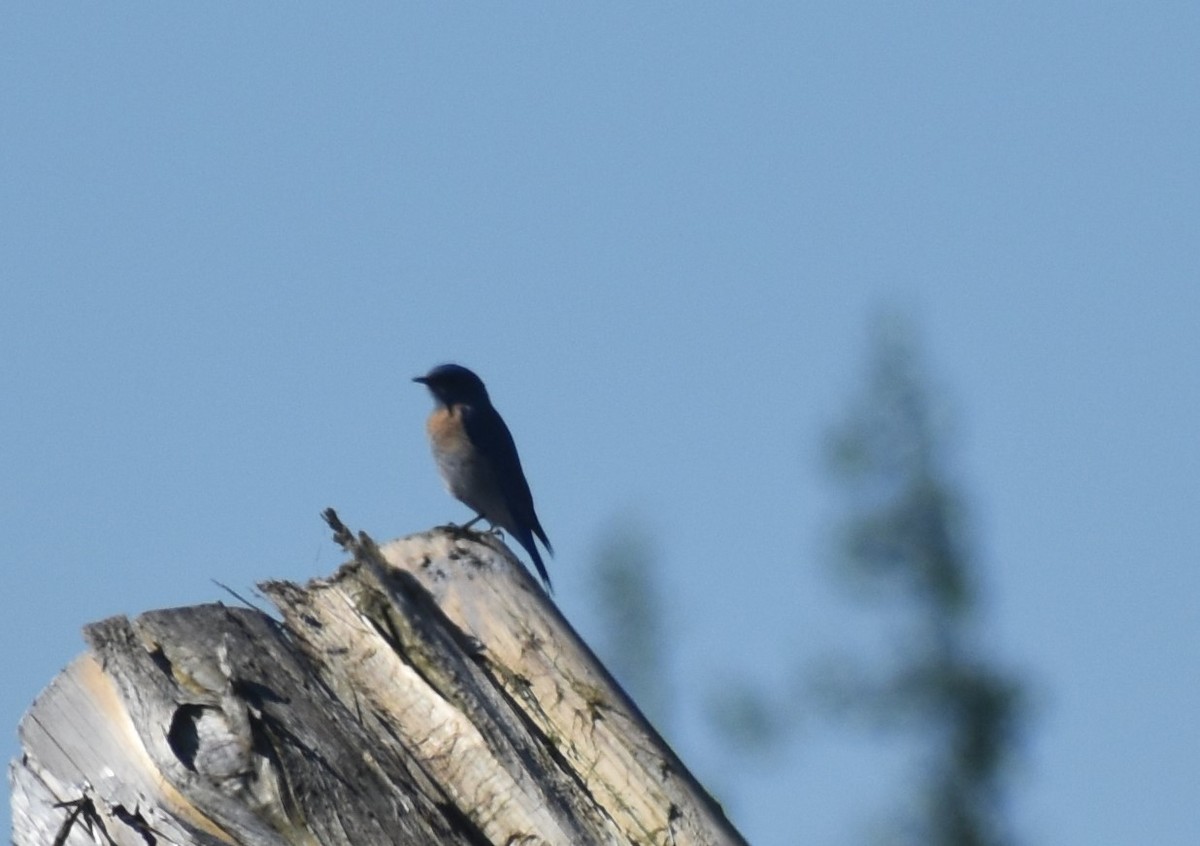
[(445, 427), (469, 477)]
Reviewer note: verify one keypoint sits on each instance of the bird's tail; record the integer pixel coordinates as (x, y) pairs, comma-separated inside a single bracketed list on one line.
[(526, 540)]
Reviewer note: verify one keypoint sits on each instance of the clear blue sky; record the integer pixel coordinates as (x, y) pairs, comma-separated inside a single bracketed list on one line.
[(230, 235)]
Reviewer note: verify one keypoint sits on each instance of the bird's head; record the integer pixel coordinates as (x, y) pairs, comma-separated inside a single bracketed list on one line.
[(453, 384)]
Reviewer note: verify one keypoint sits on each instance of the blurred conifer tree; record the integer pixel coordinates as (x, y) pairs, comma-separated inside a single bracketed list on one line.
[(905, 543)]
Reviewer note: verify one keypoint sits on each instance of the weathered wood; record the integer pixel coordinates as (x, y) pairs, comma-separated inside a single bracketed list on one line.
[(427, 693)]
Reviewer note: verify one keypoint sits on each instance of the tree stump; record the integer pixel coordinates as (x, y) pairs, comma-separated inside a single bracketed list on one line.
[(427, 693)]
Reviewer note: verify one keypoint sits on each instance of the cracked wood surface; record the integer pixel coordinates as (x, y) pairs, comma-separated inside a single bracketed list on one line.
[(427, 693)]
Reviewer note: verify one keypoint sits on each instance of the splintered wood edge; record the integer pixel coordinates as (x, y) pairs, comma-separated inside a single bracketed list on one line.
[(386, 686), (544, 667)]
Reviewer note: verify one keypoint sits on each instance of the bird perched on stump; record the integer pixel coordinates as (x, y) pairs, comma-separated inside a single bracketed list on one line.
[(478, 459)]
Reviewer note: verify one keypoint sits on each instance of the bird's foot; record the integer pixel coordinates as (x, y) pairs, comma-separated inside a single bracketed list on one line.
[(466, 528), (493, 530)]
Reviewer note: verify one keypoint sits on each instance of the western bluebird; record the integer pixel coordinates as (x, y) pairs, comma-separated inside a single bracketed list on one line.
[(477, 458)]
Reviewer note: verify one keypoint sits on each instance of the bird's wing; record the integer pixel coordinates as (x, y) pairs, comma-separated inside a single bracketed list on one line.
[(487, 430)]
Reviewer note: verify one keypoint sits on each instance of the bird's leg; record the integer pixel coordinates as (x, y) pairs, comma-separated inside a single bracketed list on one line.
[(494, 530)]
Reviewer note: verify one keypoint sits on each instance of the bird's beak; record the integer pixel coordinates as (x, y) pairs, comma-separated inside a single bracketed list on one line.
[(424, 380)]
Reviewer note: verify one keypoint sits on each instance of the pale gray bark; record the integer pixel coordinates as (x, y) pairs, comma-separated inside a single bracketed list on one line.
[(427, 693)]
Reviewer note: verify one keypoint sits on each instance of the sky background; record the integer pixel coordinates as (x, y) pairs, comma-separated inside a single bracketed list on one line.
[(231, 234)]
